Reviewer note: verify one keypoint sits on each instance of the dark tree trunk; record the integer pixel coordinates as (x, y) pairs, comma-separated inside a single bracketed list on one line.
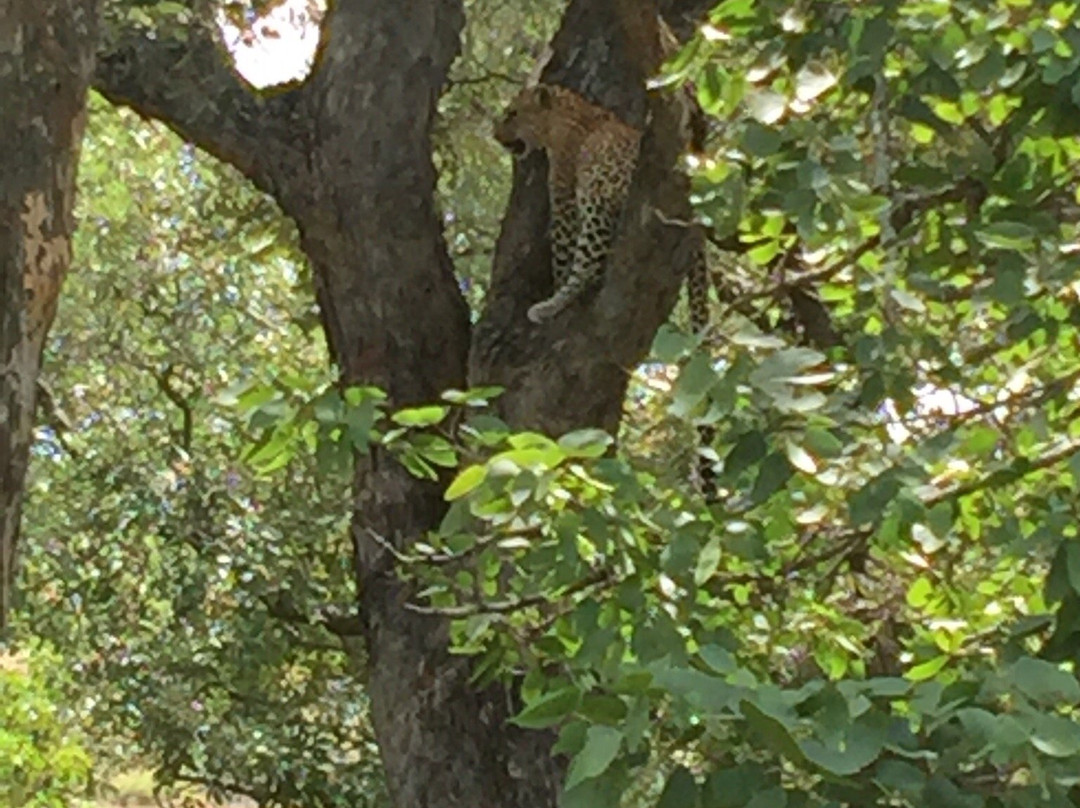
[(348, 156), (46, 59)]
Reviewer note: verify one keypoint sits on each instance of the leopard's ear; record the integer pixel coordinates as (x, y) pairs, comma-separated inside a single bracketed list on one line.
[(543, 96)]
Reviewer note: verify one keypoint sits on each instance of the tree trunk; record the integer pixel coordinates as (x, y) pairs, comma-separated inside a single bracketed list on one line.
[(46, 59), (348, 156)]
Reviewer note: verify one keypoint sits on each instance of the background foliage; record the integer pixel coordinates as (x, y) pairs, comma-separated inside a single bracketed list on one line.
[(881, 607), (42, 760)]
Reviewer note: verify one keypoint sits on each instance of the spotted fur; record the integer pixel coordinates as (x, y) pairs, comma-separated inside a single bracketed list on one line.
[(591, 155)]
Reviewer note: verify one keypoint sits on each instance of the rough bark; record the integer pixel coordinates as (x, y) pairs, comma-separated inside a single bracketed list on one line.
[(46, 58), (684, 15), (348, 156)]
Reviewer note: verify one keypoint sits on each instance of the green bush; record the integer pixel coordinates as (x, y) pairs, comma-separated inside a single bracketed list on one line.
[(42, 762)]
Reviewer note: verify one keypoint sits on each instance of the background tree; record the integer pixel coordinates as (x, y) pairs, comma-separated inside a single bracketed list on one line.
[(48, 54)]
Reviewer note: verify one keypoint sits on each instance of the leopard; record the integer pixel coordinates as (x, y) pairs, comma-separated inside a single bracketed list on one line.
[(592, 155)]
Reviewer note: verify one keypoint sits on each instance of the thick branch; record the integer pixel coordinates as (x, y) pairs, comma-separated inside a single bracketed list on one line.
[(190, 86)]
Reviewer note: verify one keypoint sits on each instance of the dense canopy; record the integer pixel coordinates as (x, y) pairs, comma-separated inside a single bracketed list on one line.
[(315, 515)]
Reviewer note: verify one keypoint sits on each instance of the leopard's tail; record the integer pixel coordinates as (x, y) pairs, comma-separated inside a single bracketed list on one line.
[(697, 290)]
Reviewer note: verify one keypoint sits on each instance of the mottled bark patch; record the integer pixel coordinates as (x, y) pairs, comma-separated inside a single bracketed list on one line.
[(46, 260)]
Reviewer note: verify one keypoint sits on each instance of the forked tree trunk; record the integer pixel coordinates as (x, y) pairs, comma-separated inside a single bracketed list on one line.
[(46, 59), (348, 156)]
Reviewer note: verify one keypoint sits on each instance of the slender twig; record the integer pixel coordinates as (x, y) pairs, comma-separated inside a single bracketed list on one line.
[(57, 419), (342, 625), (439, 559), (600, 576)]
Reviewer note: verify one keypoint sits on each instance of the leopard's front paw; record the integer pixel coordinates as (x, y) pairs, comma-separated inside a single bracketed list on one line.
[(542, 312)]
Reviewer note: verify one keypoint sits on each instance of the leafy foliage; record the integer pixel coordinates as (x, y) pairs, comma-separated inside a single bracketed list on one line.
[(42, 760), (881, 608), (184, 590)]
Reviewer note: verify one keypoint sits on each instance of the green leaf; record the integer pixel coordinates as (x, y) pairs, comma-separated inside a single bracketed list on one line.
[(1043, 682), (549, 709), (846, 755), (900, 777), (693, 384), (585, 443), (719, 659), (420, 416), (571, 738), (1072, 564), (761, 141), (1055, 735), (940, 792), (823, 442), (437, 450), (680, 791), (708, 561), (473, 397), (928, 669), (701, 690), (360, 421), (771, 731), (774, 797), (920, 592), (773, 475), (465, 482), (604, 791), (603, 709), (748, 450), (602, 745), (1008, 285), (1007, 236), (734, 787), (670, 345), (867, 505)]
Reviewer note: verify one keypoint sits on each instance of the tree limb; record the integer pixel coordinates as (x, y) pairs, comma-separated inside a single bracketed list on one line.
[(189, 85)]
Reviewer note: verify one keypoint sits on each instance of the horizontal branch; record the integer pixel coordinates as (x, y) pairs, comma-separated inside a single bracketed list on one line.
[(597, 577), (190, 85), (343, 625)]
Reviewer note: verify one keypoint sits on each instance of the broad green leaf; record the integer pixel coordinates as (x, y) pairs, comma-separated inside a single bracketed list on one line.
[(603, 709), (773, 732), (420, 416), (748, 450), (680, 791), (773, 475), (1054, 735), (708, 561), (549, 709), (853, 752), (928, 669), (602, 744), (733, 787), (774, 797), (585, 443), (469, 479), (1043, 682)]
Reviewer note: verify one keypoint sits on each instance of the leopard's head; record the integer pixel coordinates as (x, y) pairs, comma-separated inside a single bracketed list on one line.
[(526, 124)]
